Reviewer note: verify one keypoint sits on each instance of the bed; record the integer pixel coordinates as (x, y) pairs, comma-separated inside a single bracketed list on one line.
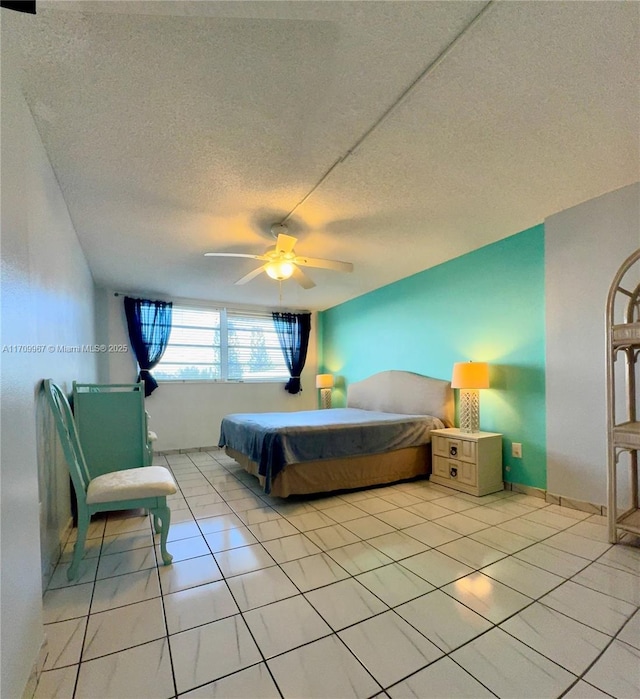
[(382, 436)]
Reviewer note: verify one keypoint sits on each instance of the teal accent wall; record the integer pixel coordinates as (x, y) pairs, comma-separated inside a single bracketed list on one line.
[(488, 306)]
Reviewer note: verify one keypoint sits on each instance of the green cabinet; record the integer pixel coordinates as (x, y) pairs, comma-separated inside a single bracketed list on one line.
[(112, 426)]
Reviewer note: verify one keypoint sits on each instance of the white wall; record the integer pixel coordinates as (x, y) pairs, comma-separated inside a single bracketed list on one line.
[(584, 247), (188, 415), (47, 294)]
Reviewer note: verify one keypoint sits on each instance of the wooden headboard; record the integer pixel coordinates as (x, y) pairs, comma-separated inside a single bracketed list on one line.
[(403, 392)]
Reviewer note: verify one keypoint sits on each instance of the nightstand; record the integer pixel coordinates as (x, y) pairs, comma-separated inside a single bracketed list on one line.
[(467, 461)]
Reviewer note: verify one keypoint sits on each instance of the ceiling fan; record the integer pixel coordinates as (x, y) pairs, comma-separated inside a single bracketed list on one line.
[(281, 261)]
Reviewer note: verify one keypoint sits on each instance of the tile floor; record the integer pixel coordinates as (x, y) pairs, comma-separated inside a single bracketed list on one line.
[(411, 590)]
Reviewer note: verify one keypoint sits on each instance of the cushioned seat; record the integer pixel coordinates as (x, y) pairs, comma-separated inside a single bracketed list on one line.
[(131, 484)]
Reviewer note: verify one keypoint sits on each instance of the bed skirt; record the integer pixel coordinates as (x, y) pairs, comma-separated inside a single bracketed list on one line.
[(349, 473)]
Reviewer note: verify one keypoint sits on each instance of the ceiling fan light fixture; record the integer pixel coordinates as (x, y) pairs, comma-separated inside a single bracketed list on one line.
[(279, 269)]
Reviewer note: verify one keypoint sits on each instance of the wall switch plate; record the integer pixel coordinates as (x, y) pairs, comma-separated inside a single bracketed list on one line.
[(516, 450)]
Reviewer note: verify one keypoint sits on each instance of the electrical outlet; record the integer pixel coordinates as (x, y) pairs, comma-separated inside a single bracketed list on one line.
[(516, 450)]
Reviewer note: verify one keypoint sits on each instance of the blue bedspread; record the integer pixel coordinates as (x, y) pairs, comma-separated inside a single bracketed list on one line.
[(274, 440)]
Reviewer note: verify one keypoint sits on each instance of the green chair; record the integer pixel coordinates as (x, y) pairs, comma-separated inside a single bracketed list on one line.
[(144, 487)]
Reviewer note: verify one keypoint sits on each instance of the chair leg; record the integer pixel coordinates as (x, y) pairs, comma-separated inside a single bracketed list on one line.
[(78, 549), (157, 524), (162, 515)]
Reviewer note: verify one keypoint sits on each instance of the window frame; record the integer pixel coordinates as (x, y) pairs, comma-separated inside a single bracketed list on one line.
[(224, 313)]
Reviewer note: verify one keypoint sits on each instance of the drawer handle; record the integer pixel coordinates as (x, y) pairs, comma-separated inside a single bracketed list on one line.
[(453, 450), (453, 471)]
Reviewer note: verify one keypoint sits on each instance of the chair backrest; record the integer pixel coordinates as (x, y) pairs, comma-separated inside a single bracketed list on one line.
[(68, 434)]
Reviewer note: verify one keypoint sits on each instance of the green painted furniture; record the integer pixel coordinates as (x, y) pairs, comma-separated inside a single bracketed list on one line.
[(112, 426), (144, 487)]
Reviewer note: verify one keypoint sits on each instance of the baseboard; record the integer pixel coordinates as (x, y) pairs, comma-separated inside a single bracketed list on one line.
[(170, 452), (36, 670), (561, 500)]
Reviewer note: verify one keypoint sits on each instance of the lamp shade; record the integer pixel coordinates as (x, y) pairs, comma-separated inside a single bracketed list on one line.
[(324, 381), (279, 269), (470, 375)]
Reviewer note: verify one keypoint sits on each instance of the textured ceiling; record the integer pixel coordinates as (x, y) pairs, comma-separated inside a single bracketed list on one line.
[(394, 135)]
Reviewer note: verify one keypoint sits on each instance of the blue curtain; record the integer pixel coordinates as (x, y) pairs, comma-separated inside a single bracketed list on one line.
[(293, 332), (149, 324)]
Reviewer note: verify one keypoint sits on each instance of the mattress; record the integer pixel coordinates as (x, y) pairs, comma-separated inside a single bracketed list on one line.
[(274, 440)]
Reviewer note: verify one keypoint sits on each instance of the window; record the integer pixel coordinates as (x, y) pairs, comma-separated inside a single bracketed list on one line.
[(214, 344)]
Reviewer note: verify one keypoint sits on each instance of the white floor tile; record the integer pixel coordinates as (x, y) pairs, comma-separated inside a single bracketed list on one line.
[(432, 534), (344, 603), (302, 673), (631, 632), (394, 584), (582, 690), (359, 557), (261, 587), (243, 560), (314, 571), (368, 527), (207, 653), (491, 599), (124, 627), (397, 545), (198, 605), (577, 545), (552, 560), (120, 675), (343, 512), (612, 581), (189, 573), (461, 523), (125, 589), (569, 643), (593, 608), (118, 543), (400, 518), (488, 515), (126, 562), (614, 671), (443, 620), (429, 510), (332, 537), (254, 682), (57, 684), (229, 539), (310, 520), (523, 577), (184, 549), (289, 548), (277, 528), (511, 669), (374, 506), (626, 558), (404, 649), (66, 603), (443, 679), (285, 625), (436, 567), (528, 529), (211, 525), (64, 643), (501, 540), (471, 553)]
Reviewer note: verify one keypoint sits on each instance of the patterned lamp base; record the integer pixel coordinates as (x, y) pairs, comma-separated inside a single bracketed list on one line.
[(325, 397), (469, 410)]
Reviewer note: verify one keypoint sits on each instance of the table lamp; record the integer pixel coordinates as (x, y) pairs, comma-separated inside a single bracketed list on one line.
[(325, 383), (469, 377)]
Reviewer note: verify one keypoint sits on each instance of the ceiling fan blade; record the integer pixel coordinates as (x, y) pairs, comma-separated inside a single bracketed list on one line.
[(324, 264), (235, 254), (285, 243), (302, 279), (252, 275)]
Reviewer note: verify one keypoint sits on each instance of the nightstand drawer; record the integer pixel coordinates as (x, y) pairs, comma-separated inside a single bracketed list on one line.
[(455, 448), (454, 470)]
